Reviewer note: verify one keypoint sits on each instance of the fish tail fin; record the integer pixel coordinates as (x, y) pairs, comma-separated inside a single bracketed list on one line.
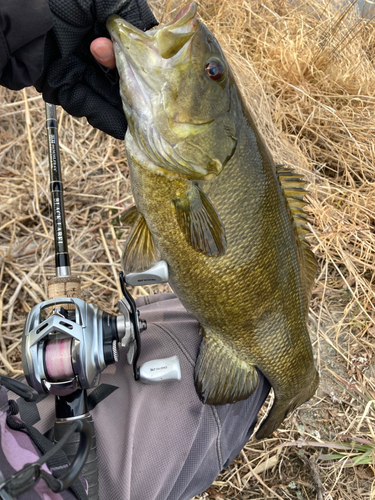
[(277, 414), (281, 408), (221, 377)]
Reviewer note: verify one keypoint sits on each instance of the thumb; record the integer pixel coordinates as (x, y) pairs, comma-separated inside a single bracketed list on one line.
[(102, 50)]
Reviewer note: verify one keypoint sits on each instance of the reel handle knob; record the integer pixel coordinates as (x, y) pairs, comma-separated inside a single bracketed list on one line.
[(156, 274), (160, 370)]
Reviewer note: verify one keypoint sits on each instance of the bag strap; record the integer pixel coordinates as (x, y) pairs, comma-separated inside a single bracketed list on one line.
[(53, 456)]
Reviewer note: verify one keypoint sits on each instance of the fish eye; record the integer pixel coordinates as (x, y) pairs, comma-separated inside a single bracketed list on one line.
[(215, 69)]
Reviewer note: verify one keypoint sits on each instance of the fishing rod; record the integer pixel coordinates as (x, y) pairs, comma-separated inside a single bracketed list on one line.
[(68, 342)]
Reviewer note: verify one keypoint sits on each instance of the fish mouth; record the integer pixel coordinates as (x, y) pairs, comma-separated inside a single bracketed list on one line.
[(166, 40), (141, 53)]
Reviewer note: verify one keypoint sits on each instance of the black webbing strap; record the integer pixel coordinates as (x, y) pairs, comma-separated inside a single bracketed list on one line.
[(99, 394), (58, 463)]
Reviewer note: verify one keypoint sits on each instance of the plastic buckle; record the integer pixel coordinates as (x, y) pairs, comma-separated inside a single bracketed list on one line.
[(22, 480), (30, 474)]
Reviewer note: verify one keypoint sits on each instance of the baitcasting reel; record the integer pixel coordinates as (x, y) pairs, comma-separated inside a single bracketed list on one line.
[(69, 348)]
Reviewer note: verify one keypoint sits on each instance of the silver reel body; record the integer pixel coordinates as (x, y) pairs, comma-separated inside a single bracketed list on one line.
[(85, 334), (86, 340)]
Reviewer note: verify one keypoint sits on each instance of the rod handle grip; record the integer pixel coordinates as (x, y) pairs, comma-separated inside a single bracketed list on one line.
[(65, 286)]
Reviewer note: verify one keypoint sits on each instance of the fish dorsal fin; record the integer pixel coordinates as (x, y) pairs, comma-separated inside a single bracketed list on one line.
[(200, 222), (293, 187), (220, 375), (140, 252)]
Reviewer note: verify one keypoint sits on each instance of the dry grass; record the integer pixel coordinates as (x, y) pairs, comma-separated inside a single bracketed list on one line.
[(307, 72)]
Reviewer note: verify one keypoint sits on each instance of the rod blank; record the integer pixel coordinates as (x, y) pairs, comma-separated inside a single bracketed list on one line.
[(62, 262)]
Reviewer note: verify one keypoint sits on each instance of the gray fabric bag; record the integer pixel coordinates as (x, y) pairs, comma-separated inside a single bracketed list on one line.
[(159, 442)]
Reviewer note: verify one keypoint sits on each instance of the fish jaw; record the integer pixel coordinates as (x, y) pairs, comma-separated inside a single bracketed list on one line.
[(136, 51), (177, 115)]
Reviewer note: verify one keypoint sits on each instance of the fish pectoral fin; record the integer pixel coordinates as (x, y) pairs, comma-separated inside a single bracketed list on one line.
[(140, 252), (129, 217), (199, 221), (283, 406), (220, 376)]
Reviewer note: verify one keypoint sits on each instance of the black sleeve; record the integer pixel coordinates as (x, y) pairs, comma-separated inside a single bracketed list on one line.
[(23, 28), (71, 76)]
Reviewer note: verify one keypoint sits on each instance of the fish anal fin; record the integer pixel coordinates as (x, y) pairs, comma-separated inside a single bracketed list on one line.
[(200, 223), (220, 376), (292, 185), (140, 252)]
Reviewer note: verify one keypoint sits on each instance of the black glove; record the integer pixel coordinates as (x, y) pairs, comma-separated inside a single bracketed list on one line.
[(71, 76)]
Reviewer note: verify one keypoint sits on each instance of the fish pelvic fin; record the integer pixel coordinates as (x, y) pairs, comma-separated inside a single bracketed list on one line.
[(282, 407), (293, 187), (140, 252), (220, 376), (130, 216), (200, 223)]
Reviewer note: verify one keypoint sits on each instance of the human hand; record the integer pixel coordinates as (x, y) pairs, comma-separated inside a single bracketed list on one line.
[(72, 76), (102, 50)]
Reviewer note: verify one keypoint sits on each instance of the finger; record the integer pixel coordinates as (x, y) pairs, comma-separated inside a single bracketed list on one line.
[(102, 50)]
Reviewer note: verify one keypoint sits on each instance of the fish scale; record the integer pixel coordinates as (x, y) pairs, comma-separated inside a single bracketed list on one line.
[(220, 213)]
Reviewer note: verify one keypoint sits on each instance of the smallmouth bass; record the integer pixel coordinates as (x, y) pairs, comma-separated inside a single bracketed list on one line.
[(210, 201)]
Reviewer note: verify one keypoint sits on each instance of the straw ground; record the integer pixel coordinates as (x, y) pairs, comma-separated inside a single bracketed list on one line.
[(306, 70)]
